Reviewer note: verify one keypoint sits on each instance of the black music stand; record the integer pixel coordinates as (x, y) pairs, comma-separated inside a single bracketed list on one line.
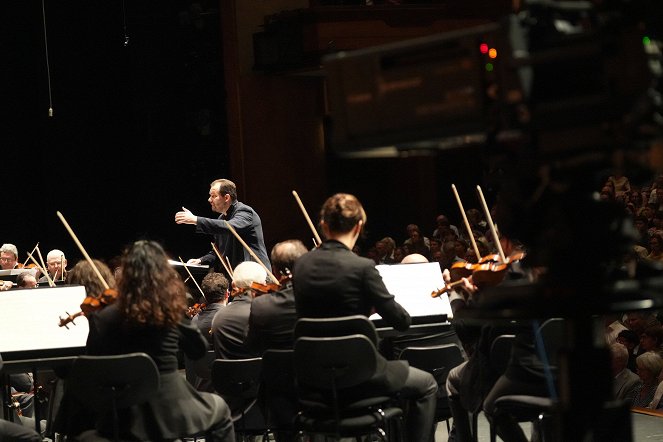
[(197, 271)]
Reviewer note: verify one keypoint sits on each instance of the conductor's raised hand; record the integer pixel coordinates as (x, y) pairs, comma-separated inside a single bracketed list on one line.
[(185, 217)]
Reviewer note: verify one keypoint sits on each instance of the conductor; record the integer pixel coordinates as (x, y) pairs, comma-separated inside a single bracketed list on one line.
[(241, 217)]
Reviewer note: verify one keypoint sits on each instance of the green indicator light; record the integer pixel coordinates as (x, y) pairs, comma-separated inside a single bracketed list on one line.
[(645, 40), (489, 67)]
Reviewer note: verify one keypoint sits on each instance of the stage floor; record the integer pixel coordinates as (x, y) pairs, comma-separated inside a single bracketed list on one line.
[(645, 429)]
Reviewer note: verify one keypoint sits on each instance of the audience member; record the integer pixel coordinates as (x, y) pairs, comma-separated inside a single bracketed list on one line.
[(410, 229), (385, 250), (399, 254), (651, 339), (649, 367), (441, 224), (620, 183), (630, 340), (624, 381), (612, 327)]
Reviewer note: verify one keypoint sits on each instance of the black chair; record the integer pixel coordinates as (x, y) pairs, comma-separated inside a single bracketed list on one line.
[(106, 384), (523, 408), (329, 372), (278, 397), (437, 360), (554, 338), (199, 371), (237, 381), (336, 326)]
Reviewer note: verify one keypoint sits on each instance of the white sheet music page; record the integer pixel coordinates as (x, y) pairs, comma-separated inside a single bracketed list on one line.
[(412, 285), (31, 317)]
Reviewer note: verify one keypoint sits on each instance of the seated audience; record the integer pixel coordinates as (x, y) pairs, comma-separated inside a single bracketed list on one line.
[(624, 381), (649, 367)]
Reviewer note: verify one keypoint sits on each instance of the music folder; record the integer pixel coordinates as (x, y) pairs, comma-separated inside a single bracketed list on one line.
[(412, 285)]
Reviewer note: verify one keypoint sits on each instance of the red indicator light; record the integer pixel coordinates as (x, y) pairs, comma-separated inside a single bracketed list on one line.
[(483, 47)]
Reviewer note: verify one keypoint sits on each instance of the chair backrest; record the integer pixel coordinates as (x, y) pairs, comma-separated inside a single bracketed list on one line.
[(334, 362), (101, 382), (553, 336), (238, 382), (500, 352), (336, 326), (202, 367), (437, 360), (278, 372), (278, 389)]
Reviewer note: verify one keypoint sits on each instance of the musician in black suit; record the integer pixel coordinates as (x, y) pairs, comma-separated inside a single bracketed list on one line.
[(215, 287), (332, 281), (230, 323), (241, 217), (273, 315)]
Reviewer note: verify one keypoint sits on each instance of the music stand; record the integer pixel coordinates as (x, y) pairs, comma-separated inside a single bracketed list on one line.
[(197, 271), (30, 336), (412, 285)]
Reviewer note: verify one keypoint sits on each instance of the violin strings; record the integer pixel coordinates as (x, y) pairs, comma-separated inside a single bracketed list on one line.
[(48, 66)]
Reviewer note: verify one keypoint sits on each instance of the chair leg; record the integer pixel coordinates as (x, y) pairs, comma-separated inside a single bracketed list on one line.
[(465, 432)]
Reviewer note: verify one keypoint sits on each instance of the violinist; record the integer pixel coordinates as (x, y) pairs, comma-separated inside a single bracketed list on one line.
[(56, 265), (273, 315), (473, 385), (8, 257), (230, 323), (215, 287), (271, 325), (148, 317), (26, 280), (241, 217)]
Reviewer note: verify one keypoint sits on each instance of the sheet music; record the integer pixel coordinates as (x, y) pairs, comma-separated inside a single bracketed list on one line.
[(16, 272), (30, 318), (412, 285)]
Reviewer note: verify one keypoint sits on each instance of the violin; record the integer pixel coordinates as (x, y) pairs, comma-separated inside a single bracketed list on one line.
[(265, 288), (445, 289), (490, 270), (272, 286), (195, 309), (90, 304)]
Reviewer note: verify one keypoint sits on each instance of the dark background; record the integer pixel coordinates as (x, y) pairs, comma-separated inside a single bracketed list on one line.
[(137, 131)]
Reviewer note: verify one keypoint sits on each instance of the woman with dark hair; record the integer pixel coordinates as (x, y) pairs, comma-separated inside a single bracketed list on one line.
[(149, 316)]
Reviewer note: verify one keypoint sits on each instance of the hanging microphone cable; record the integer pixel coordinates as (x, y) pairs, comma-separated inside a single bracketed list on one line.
[(48, 67), (124, 18)]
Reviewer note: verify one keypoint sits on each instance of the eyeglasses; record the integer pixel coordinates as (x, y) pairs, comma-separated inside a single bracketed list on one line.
[(6, 259)]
